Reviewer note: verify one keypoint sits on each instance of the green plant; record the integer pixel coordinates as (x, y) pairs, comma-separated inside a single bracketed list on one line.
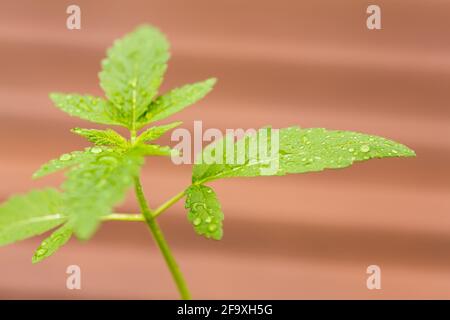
[(98, 177)]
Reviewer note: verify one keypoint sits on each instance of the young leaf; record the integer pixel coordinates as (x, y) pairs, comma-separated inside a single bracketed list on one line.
[(106, 137), (49, 246), (153, 150), (205, 212), (133, 71), (87, 107), (176, 100), (94, 187), (154, 133), (28, 215), (300, 150), (67, 160)]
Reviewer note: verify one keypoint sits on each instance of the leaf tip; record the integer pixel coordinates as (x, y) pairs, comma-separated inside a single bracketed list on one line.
[(54, 96), (217, 236), (211, 81), (412, 153), (35, 259)]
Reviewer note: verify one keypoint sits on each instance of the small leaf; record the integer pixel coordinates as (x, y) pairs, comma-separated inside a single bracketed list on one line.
[(154, 133), (133, 71), (87, 107), (67, 160), (51, 244), (176, 100), (205, 212), (299, 151), (154, 150), (94, 187), (28, 215), (106, 137)]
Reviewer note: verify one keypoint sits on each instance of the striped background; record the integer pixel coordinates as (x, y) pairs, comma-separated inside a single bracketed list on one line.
[(311, 63)]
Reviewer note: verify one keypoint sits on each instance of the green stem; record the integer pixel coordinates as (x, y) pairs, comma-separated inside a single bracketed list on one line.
[(168, 204), (139, 217), (133, 136), (161, 242), (123, 217)]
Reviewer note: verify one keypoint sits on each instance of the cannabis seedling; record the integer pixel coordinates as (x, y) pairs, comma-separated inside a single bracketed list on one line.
[(98, 177)]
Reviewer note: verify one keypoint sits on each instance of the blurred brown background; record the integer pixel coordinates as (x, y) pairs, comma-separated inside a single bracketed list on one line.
[(311, 63)]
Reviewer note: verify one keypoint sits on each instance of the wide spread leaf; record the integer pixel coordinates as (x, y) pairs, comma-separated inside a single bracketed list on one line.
[(51, 244), (154, 133), (154, 150), (30, 214), (133, 71), (205, 212), (106, 137), (68, 160), (87, 107), (176, 100), (295, 150)]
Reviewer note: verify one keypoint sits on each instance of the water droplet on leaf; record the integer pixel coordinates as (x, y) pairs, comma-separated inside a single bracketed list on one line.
[(96, 150), (65, 157), (198, 205), (41, 252), (364, 148)]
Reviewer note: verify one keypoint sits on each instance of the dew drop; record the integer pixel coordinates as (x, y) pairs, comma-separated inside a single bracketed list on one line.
[(364, 148), (212, 227), (197, 221), (56, 238), (96, 150), (351, 150), (208, 219), (41, 252), (65, 157), (196, 206)]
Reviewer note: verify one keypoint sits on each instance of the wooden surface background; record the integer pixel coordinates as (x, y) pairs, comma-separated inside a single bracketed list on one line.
[(311, 63)]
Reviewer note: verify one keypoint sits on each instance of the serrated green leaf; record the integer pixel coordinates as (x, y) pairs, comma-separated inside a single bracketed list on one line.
[(87, 107), (300, 150), (154, 150), (154, 133), (106, 137), (176, 100), (51, 244), (133, 71), (94, 187), (205, 212), (68, 160), (30, 214)]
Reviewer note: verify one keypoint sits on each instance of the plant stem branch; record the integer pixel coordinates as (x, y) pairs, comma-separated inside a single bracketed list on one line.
[(139, 217), (161, 242), (168, 204), (124, 217)]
